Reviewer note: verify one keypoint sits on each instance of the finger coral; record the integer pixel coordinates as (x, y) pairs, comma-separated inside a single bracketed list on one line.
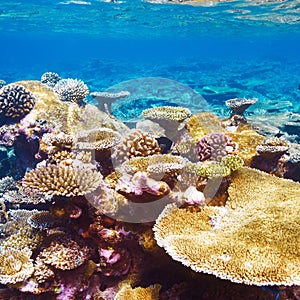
[(60, 180), (15, 265), (15, 101), (72, 90), (137, 143), (253, 240)]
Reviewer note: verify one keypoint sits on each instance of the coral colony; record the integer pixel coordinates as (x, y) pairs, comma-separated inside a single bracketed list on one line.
[(92, 209)]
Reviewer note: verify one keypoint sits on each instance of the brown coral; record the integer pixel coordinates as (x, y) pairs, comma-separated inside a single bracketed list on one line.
[(97, 139), (137, 143), (202, 124), (138, 293), (60, 180), (15, 265), (64, 254), (254, 239), (15, 101), (52, 143)]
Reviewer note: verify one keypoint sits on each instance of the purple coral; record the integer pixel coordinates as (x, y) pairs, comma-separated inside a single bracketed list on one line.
[(214, 146)]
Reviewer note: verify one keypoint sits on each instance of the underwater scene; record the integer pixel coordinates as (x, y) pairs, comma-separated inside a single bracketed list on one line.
[(150, 150)]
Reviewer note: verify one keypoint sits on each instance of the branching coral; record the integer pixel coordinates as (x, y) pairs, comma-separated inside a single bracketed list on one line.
[(254, 239), (15, 101), (60, 180), (65, 255), (15, 265), (137, 143), (72, 90), (50, 79)]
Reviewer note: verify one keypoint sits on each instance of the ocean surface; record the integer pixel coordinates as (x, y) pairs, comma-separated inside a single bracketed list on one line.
[(194, 54), (222, 51)]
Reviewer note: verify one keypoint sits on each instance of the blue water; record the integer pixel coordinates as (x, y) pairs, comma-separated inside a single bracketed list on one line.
[(240, 44)]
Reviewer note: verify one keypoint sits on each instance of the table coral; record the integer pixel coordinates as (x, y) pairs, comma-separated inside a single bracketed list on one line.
[(15, 265), (272, 146), (60, 180), (254, 239), (239, 105), (52, 143), (15, 101)]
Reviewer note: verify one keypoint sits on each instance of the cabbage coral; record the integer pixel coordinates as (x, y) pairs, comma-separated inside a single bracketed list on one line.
[(254, 239)]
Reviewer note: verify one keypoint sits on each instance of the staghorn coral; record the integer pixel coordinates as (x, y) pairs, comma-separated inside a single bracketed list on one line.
[(72, 90), (15, 265), (254, 239), (106, 98), (239, 105), (52, 143), (202, 124), (138, 293), (64, 254), (136, 143), (50, 79), (272, 146), (97, 139), (42, 272), (62, 158), (214, 146), (15, 101), (60, 180)]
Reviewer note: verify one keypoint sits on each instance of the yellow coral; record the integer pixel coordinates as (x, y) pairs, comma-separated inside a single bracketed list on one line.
[(202, 124), (15, 265), (233, 162), (126, 292), (60, 180), (254, 239)]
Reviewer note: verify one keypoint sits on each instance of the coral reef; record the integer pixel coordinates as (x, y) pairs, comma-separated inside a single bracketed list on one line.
[(50, 79), (15, 101), (138, 293), (2, 83), (72, 90), (252, 242)]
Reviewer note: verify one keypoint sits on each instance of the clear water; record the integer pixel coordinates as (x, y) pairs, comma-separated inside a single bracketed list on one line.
[(230, 49)]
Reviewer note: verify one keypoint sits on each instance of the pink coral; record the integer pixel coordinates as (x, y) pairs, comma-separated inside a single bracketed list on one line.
[(214, 146)]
